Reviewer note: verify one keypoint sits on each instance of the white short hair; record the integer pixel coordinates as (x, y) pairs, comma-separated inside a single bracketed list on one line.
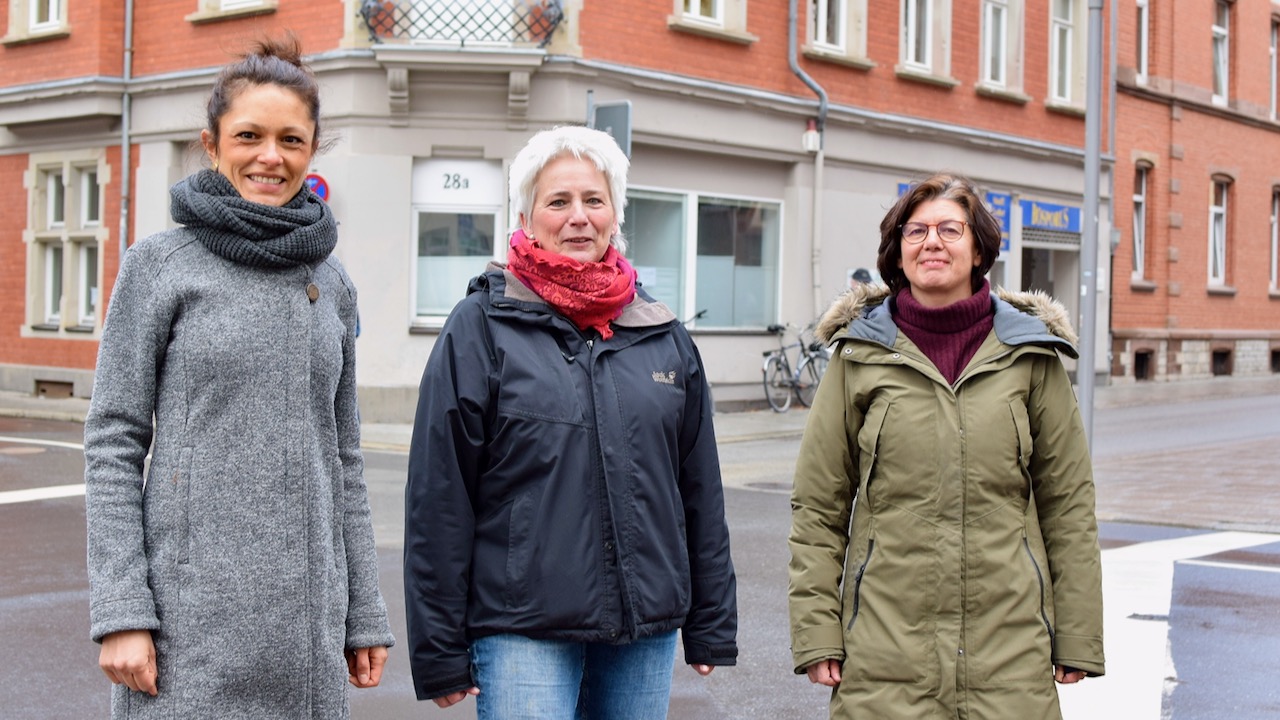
[(581, 142)]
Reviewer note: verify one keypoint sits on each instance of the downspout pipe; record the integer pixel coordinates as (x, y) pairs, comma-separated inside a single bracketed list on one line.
[(126, 143), (819, 159)]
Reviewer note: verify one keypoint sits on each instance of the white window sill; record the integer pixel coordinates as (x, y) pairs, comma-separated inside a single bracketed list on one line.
[(831, 55), (210, 16), (1000, 92), (33, 36), (923, 75), (717, 32)]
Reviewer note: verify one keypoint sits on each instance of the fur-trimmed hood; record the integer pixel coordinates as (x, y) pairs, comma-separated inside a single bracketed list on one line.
[(1021, 317)]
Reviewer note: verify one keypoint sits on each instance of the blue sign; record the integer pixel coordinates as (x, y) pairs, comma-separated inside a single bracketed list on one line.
[(1047, 216), (318, 185), (999, 204)]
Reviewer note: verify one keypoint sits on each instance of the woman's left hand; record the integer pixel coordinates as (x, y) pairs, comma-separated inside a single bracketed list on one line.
[(703, 670), (364, 666), (1066, 677)]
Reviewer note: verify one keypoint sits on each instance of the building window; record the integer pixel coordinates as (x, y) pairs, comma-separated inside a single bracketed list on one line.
[(1218, 234), (838, 32), (67, 233), (995, 40), (710, 11), (1221, 51), (44, 15), (1143, 38), (1274, 58), (924, 39), (1062, 44), (239, 4), (215, 10), (829, 26), (87, 287), (705, 253), (1140, 222), (720, 19), (457, 220), (1275, 240), (52, 314), (916, 34)]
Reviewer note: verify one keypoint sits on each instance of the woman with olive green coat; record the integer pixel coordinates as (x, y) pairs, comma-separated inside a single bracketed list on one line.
[(971, 566)]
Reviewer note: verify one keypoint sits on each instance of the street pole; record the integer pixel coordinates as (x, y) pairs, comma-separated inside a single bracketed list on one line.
[(1089, 243)]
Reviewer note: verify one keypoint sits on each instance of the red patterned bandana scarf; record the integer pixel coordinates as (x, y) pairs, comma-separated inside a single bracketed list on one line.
[(590, 294)]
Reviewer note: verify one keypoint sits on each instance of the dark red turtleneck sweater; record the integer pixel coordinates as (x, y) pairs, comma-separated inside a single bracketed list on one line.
[(948, 336)]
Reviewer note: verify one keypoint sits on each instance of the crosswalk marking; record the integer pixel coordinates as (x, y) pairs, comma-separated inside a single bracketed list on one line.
[(38, 441), (1137, 584)]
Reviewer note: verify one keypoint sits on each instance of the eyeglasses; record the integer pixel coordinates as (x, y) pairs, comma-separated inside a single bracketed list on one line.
[(948, 231)]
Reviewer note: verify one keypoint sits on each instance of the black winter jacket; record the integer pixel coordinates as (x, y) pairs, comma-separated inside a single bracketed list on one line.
[(562, 486)]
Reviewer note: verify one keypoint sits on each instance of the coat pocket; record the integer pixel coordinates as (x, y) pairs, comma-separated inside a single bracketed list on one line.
[(182, 513)]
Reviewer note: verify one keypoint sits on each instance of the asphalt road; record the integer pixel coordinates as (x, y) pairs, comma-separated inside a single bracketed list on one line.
[(1191, 591)]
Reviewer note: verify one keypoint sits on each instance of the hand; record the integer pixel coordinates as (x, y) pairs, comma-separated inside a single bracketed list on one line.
[(1068, 676), (703, 670), (129, 657), (455, 698), (364, 666), (824, 672)]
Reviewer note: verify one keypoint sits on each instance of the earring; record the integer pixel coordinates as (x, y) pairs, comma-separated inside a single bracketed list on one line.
[(215, 164)]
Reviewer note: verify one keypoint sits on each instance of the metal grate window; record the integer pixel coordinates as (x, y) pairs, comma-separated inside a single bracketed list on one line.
[(506, 22), (1050, 239)]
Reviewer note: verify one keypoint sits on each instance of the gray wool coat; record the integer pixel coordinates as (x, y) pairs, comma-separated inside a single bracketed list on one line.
[(248, 550)]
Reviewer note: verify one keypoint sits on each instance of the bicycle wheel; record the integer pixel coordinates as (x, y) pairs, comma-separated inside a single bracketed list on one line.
[(811, 371), (777, 384)]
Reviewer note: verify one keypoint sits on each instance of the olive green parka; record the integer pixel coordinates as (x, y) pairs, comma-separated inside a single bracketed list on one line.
[(969, 564)]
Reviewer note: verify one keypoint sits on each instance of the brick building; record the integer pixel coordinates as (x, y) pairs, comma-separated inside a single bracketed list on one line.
[(750, 199), (1198, 151)]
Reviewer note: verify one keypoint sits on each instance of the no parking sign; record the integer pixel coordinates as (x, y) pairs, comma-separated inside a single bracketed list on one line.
[(318, 185)]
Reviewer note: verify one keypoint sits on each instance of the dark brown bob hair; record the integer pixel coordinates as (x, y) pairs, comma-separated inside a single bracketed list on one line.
[(942, 186)]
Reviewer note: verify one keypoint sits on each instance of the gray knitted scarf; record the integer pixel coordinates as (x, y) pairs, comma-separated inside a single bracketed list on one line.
[(300, 232)]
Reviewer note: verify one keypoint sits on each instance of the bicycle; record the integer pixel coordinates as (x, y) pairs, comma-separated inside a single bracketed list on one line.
[(780, 383)]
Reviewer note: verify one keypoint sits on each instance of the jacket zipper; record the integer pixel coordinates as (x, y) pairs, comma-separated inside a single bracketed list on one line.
[(1044, 617), (857, 583)]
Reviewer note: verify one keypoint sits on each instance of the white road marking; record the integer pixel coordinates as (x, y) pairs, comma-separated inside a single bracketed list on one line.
[(37, 441), (42, 493), (1137, 584), (1233, 566)]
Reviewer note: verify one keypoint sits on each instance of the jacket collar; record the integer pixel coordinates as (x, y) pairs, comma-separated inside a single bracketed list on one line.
[(1021, 318), (506, 289)]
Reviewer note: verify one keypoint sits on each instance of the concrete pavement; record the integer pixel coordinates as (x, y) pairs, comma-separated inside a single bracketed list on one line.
[(738, 426)]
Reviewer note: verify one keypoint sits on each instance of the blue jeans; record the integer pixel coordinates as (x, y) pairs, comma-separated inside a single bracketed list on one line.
[(525, 679)]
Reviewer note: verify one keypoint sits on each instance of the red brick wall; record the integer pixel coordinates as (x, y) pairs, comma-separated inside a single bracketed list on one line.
[(95, 47), (1192, 146), (165, 42), (636, 33)]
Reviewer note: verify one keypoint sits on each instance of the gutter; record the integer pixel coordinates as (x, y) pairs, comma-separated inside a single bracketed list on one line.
[(126, 143), (819, 158)]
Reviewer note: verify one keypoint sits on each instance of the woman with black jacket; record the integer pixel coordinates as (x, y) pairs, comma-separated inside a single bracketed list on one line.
[(564, 511)]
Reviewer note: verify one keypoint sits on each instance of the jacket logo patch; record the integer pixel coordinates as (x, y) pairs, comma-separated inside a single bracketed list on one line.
[(667, 378)]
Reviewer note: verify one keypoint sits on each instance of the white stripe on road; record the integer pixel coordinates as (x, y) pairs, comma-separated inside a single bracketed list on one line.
[(1232, 566), (1137, 584), (36, 441), (44, 493)]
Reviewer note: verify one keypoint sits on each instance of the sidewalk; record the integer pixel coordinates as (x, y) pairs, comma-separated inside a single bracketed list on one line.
[(731, 427)]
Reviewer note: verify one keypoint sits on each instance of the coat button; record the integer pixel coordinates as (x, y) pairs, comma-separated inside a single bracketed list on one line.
[(313, 292)]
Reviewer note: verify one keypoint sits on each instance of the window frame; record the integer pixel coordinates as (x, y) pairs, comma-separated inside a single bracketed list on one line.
[(691, 203), (1143, 39), (1220, 55), (1061, 53), (820, 30), (911, 25), (1275, 240), (65, 250), (1219, 231), (990, 43), (853, 34), (1141, 220), (729, 22)]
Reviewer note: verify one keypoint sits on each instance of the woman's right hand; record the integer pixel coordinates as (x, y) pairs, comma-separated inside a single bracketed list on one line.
[(455, 698), (824, 672), (129, 657)]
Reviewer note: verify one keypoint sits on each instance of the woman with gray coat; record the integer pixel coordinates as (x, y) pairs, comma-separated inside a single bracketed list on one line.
[(235, 576)]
